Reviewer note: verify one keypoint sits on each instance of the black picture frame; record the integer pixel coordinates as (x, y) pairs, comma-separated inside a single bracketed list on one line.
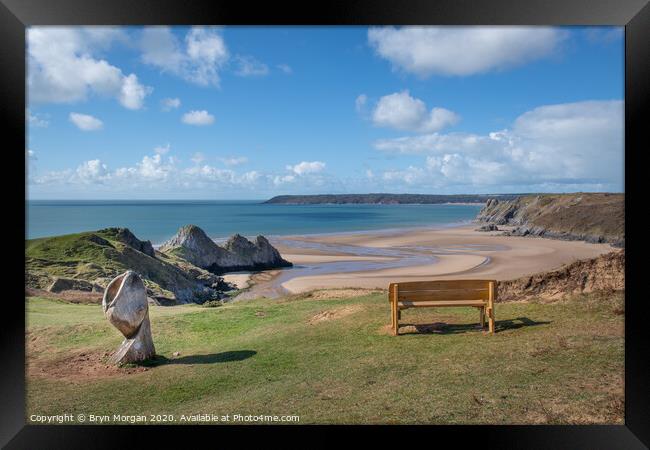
[(16, 15)]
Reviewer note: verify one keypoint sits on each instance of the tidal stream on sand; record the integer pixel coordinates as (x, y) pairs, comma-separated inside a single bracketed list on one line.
[(377, 258)]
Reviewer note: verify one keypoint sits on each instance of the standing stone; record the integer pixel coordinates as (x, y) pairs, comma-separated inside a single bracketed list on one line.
[(125, 306)]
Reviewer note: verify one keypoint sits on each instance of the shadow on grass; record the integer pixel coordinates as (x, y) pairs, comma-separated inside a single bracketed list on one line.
[(446, 328), (211, 358)]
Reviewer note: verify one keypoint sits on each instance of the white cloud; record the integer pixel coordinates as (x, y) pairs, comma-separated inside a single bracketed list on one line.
[(360, 102), (152, 174), (102, 37), (234, 160), (153, 167), (411, 175), (86, 122), (205, 44), (283, 179), (198, 61), (36, 120), (132, 93), (92, 171), (53, 178), (197, 158), (160, 48), (462, 50), (167, 104), (198, 118), (149, 169), (162, 149), (403, 112), (577, 144), (306, 167), (285, 68), (251, 177), (247, 66), (62, 67), (210, 173)]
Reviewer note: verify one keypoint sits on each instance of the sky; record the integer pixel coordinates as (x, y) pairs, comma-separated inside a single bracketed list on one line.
[(253, 112)]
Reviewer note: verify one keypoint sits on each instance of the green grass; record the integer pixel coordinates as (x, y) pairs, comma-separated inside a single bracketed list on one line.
[(101, 255), (548, 363)]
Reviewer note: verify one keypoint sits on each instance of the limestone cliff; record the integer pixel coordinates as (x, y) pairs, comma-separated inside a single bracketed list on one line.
[(590, 217), (193, 245)]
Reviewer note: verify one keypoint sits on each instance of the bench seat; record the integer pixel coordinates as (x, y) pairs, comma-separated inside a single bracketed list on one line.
[(433, 303), (479, 294)]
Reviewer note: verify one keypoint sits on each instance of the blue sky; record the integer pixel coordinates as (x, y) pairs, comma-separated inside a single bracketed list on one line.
[(251, 112)]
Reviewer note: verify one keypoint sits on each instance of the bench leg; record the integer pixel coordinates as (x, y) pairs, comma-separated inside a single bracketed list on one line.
[(490, 305), (491, 319), (399, 314), (482, 316), (394, 313)]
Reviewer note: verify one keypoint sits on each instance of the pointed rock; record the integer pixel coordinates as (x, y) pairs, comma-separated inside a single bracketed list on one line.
[(238, 253)]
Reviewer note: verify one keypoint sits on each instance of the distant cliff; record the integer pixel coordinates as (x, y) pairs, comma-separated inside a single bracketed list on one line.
[(384, 199), (598, 217)]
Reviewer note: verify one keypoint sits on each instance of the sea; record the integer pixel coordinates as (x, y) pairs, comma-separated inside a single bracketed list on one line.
[(159, 220)]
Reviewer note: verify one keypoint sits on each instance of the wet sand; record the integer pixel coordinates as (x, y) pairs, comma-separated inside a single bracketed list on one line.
[(375, 259), (241, 280)]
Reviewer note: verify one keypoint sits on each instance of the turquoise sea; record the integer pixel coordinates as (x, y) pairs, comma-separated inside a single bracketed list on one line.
[(159, 220)]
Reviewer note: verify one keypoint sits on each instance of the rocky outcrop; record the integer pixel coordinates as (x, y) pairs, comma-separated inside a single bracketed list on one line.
[(258, 254), (124, 235), (598, 218), (61, 284), (603, 273), (87, 262), (488, 227), (193, 245)]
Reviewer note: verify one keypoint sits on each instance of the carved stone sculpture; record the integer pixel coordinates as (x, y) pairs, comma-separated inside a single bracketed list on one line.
[(125, 306)]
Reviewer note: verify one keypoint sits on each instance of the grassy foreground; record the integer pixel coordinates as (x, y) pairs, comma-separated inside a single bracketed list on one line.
[(333, 361)]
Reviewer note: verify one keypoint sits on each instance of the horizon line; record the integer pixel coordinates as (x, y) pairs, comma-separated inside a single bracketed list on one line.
[(316, 195)]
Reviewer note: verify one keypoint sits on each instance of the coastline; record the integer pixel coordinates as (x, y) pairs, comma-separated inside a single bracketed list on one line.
[(375, 258)]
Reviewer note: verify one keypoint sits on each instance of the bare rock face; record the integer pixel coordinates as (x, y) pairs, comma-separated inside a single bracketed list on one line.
[(591, 217), (258, 254), (126, 306), (488, 227), (192, 244), (125, 235), (61, 284)]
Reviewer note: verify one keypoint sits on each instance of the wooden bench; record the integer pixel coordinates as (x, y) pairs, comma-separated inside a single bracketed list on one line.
[(480, 294)]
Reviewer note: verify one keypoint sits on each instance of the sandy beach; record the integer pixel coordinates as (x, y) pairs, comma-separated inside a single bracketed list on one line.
[(375, 259)]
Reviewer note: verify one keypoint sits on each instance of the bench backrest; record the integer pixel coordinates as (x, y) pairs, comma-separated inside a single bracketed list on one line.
[(443, 290)]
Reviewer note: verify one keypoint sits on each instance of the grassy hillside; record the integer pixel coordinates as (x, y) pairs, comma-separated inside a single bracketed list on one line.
[(591, 216), (333, 361), (99, 256)]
